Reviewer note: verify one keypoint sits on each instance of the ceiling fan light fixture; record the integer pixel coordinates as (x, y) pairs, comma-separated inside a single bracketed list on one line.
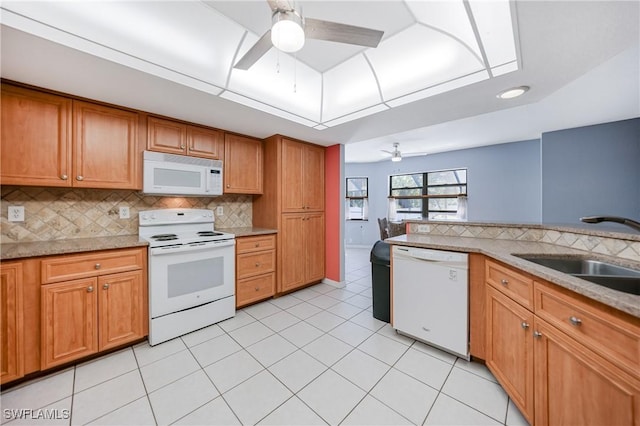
[(287, 33), (514, 92), (396, 157)]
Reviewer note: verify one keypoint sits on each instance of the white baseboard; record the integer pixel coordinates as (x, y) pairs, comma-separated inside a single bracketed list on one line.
[(336, 284)]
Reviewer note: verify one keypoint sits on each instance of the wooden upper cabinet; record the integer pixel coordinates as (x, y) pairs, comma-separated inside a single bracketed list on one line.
[(174, 137), (166, 136), (302, 177), (205, 143), (243, 165), (11, 322), (105, 146), (36, 138)]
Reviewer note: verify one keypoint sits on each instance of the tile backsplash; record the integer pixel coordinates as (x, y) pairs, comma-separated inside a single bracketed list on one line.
[(63, 213), (619, 246)]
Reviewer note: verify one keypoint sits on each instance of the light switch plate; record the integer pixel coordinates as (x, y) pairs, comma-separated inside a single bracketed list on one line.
[(219, 211), (15, 213), (124, 212)]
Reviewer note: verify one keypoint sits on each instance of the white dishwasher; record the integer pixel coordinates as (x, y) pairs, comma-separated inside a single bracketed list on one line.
[(431, 297)]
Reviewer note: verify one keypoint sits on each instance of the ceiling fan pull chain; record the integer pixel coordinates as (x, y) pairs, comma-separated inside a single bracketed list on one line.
[(295, 73)]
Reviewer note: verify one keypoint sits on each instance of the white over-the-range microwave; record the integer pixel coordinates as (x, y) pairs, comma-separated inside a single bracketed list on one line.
[(171, 174)]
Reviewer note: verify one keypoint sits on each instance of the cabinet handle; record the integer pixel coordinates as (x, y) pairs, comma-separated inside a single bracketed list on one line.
[(257, 244), (228, 186), (257, 264), (80, 177), (97, 266), (90, 289), (537, 334), (524, 325), (106, 286), (182, 146), (257, 288), (64, 177), (575, 321), (504, 282)]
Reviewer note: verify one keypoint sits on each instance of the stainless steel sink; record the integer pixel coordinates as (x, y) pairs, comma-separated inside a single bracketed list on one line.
[(602, 273)]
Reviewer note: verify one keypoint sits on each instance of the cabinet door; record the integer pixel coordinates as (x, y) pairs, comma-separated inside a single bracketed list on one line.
[(11, 326), (105, 147), (313, 178), (166, 136), (243, 165), (122, 309), (292, 175), (313, 231), (574, 386), (205, 143), (36, 138), (69, 321), (509, 349), (292, 262)]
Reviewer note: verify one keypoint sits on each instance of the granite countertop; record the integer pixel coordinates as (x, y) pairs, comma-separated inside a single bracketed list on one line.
[(72, 245), (248, 231), (504, 250)]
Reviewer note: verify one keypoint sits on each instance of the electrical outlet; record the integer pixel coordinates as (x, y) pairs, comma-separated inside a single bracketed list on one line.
[(124, 212), (15, 213), (219, 211), (423, 229)]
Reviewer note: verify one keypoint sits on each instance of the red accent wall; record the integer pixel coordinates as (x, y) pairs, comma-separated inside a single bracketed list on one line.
[(333, 198)]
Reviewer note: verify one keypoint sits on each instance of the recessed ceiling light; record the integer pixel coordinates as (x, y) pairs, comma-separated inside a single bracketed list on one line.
[(514, 92)]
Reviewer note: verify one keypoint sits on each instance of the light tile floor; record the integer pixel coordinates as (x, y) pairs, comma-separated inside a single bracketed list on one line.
[(316, 356)]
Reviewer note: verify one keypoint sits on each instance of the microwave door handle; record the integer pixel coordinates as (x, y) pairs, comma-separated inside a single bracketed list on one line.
[(207, 180)]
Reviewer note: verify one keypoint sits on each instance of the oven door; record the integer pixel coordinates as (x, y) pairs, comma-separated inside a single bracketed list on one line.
[(187, 276)]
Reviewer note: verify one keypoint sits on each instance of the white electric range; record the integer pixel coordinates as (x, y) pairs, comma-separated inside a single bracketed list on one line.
[(191, 271)]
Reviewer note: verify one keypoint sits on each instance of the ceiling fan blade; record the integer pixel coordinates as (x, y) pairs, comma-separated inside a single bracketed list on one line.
[(256, 52), (341, 33), (280, 5)]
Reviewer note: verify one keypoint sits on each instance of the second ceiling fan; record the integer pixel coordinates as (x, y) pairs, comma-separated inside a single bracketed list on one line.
[(289, 30)]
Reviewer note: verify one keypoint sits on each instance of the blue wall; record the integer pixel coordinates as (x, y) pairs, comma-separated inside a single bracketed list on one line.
[(503, 184), (593, 170)]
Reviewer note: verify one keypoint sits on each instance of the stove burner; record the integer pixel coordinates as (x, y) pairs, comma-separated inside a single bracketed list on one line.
[(208, 233), (164, 237)]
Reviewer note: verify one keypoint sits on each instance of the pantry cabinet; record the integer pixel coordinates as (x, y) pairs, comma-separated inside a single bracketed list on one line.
[(303, 177), (255, 268), (11, 322), (243, 165), (561, 357), (293, 204), (51, 140), (91, 302), (174, 137)]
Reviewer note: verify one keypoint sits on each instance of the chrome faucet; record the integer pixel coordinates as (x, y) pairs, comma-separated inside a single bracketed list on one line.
[(623, 220)]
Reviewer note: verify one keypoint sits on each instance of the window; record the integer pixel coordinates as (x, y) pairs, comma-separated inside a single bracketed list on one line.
[(357, 199), (428, 195)]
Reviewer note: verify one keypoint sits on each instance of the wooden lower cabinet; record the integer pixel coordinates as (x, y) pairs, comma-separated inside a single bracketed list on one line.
[(575, 386), (509, 349), (85, 316), (122, 316), (11, 322), (69, 321), (563, 360), (255, 269), (302, 251)]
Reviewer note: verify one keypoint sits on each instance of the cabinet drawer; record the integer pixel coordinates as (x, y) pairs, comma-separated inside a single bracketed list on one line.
[(76, 266), (609, 335), (250, 244), (253, 289), (513, 284), (252, 264)]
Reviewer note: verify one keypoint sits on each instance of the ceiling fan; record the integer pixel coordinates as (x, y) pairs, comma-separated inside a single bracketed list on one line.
[(396, 155), (289, 30)]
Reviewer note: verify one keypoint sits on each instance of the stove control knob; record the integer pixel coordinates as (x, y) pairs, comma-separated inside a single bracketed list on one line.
[(145, 217), (153, 216)]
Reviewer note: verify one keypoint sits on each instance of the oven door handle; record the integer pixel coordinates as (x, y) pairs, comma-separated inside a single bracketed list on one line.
[(210, 245)]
